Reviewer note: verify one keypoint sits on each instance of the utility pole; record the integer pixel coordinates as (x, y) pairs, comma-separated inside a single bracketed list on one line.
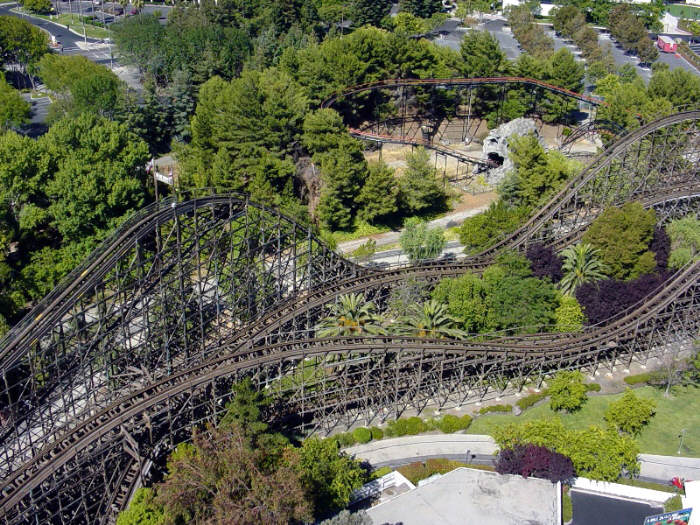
[(680, 436)]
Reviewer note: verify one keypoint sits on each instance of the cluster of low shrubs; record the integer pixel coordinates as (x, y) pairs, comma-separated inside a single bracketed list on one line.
[(417, 471), (409, 426), (536, 461), (531, 400), (495, 408), (639, 379)]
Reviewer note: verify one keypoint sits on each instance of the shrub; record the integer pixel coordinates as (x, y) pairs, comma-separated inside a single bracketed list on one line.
[(673, 503), (407, 427), (569, 315), (637, 379), (545, 262), (595, 452), (449, 423), (377, 433), (592, 387), (630, 413), (604, 299), (567, 391), (362, 435), (537, 461), (496, 408), (685, 240), (622, 236), (528, 401), (480, 231), (344, 439)]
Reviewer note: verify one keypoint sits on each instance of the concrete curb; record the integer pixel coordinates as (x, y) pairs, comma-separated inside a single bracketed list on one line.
[(411, 448)]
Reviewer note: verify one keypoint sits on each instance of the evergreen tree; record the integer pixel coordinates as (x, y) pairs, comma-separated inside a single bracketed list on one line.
[(152, 121), (343, 172), (422, 8), (420, 242), (419, 188), (369, 12), (378, 197), (482, 55), (182, 103)]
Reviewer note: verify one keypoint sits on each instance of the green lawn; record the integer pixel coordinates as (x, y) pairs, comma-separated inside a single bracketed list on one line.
[(680, 411), (684, 11)]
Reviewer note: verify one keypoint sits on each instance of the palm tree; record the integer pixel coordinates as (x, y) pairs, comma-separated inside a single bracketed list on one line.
[(432, 320), (581, 265), (351, 315)]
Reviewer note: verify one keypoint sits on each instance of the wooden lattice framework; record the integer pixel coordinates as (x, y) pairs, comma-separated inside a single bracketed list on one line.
[(144, 340)]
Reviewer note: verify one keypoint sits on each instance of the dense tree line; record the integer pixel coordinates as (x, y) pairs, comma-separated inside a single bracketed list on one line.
[(570, 22), (627, 96), (627, 28), (598, 11), (530, 35), (61, 194)]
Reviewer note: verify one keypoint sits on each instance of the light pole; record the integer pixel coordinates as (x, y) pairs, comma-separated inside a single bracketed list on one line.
[(680, 436)]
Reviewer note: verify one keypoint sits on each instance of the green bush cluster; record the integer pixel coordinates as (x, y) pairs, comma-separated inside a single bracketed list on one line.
[(407, 427), (592, 387), (567, 391), (596, 452), (673, 503), (638, 378), (417, 471), (362, 435), (528, 401), (496, 408), (377, 433), (449, 423), (404, 427)]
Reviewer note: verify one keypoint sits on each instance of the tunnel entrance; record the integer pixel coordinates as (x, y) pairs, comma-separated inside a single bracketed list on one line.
[(495, 159)]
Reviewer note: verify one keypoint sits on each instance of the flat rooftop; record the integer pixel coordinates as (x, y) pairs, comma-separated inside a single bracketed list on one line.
[(469, 496)]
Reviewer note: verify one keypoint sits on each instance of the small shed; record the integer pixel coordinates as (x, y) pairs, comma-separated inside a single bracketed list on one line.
[(666, 44)]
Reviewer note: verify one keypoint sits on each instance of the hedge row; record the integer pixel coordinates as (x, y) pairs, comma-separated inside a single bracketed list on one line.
[(687, 53), (496, 408), (639, 378), (528, 401), (404, 427)]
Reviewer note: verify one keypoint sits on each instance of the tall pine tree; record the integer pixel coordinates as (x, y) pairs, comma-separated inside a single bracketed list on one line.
[(370, 12), (422, 8)]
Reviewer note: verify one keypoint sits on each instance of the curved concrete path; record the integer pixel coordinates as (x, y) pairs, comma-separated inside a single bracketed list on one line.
[(417, 448)]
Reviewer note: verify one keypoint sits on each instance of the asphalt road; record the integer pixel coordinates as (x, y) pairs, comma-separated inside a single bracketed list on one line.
[(68, 39), (598, 509)]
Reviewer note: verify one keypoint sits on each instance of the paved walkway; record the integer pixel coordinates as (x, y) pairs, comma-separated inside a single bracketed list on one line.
[(448, 221), (416, 448), (668, 467)]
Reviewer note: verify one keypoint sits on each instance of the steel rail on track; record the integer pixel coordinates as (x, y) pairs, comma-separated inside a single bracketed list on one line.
[(69, 442), (601, 161), (88, 274), (57, 454), (476, 81)]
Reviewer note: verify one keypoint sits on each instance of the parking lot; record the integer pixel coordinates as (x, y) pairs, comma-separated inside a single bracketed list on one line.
[(510, 46)]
